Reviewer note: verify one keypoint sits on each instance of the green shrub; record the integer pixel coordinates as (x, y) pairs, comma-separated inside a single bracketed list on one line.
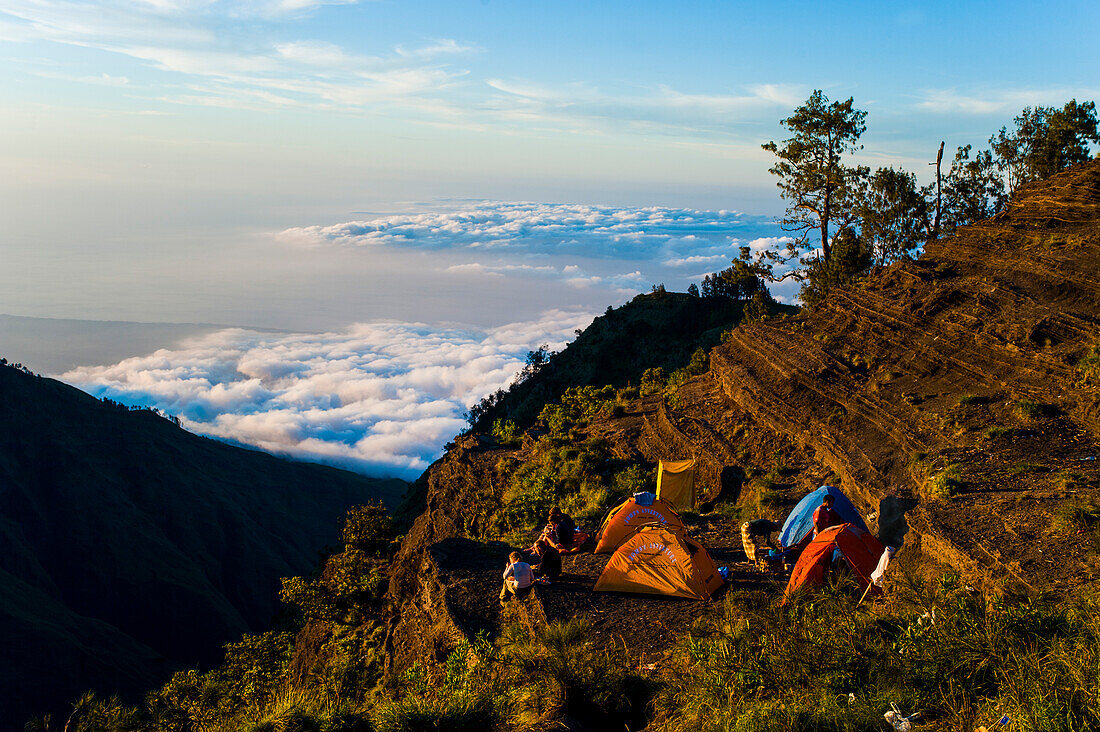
[(627, 393), (505, 433), (1089, 365), (1025, 467), (1027, 409), (468, 697), (653, 381), (562, 673), (945, 483), (632, 479), (1077, 515)]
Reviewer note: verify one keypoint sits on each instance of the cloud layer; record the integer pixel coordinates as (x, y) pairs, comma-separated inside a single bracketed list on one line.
[(379, 398), (622, 249), (547, 228)]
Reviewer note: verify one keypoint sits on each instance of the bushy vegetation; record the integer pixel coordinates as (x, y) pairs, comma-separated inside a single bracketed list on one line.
[(1089, 365), (565, 467), (654, 330), (313, 671), (821, 662)]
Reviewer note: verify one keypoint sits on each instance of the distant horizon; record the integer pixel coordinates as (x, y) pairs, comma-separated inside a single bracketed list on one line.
[(523, 166)]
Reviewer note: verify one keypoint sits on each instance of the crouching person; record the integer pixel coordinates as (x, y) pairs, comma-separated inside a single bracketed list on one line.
[(518, 578)]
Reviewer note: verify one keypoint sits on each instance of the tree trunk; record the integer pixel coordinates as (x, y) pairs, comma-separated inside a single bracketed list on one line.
[(935, 234)]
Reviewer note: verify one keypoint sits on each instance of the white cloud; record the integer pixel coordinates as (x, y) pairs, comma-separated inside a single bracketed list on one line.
[(698, 259), (544, 228), (101, 80), (660, 110), (380, 398), (500, 270), (226, 53), (999, 101), (241, 68), (769, 242)]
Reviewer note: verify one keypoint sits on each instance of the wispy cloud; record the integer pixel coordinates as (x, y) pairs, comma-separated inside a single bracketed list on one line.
[(224, 54), (696, 260), (998, 101), (659, 109), (380, 398), (187, 39)]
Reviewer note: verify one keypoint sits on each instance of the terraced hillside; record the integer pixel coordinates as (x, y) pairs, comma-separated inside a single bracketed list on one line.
[(954, 398)]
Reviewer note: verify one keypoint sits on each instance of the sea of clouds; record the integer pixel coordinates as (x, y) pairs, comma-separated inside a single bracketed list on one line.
[(384, 397), (663, 237), (379, 398)]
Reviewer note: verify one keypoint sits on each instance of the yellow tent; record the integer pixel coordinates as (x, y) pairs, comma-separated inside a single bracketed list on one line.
[(655, 560), (628, 516), (676, 483)]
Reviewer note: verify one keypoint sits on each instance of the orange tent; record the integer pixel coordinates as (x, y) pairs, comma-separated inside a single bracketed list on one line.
[(628, 516), (860, 549), (656, 560), (676, 483)]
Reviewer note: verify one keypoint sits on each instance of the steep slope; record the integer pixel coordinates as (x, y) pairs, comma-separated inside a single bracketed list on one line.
[(653, 330), (129, 546), (948, 397)]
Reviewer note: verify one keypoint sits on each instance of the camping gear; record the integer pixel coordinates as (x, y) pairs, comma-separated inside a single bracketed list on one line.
[(628, 516), (656, 560), (676, 483), (899, 721), (857, 547), (580, 538), (645, 498), (878, 576), (798, 529)]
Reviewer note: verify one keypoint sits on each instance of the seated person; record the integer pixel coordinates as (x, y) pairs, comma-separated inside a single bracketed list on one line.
[(549, 565), (561, 529), (518, 578)]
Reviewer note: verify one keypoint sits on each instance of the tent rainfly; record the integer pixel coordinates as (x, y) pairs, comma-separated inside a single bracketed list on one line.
[(656, 560), (676, 483), (859, 548), (630, 515), (798, 529)]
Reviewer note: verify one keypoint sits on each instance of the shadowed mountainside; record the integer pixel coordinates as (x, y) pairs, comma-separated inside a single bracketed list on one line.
[(130, 547), (956, 388)]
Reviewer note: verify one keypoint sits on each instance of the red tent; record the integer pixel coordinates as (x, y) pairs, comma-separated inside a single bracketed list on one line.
[(859, 548)]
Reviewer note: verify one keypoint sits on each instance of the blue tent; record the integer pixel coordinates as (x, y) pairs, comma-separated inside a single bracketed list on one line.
[(800, 524)]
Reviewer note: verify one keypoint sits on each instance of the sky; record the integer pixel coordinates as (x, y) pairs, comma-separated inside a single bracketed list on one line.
[(442, 170)]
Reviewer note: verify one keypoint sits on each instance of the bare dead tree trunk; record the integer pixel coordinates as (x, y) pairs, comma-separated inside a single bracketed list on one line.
[(935, 233)]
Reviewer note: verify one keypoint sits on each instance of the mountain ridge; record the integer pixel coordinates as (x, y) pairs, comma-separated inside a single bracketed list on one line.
[(147, 547)]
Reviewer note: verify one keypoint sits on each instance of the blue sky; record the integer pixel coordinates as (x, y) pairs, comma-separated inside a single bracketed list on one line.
[(315, 106), (445, 169)]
